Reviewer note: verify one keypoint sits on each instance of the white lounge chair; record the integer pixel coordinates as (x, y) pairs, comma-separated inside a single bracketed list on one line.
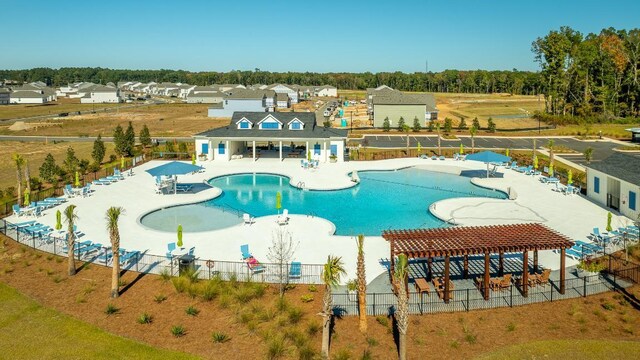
[(284, 218), (248, 219)]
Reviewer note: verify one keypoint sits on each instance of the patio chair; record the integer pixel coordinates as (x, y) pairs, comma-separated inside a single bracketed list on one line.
[(192, 251), (184, 187), (543, 279), (244, 249), (128, 257), (20, 224), (295, 271), (434, 157), (254, 265), (248, 219), (17, 210), (284, 218), (514, 165), (441, 157)]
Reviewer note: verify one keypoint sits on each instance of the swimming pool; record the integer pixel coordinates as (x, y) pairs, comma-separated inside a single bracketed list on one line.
[(383, 200)]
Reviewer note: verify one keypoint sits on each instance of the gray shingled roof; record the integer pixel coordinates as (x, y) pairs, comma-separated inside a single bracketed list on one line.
[(622, 166), (310, 130), (249, 94), (282, 97), (26, 94), (400, 98)]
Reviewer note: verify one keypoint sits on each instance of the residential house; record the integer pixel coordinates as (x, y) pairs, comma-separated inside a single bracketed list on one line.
[(185, 89), (326, 91), (387, 103), (277, 135), (5, 96), (615, 183), (291, 91), (28, 97), (282, 101), (214, 97), (100, 94), (228, 87), (244, 100)]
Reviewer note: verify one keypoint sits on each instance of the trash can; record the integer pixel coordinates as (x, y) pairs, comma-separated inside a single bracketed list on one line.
[(343, 123), (186, 263)]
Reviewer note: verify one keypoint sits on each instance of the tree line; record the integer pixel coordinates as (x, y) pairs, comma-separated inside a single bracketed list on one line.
[(592, 75), (465, 81)]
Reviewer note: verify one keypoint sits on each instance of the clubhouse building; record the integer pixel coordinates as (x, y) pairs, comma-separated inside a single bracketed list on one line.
[(272, 135)]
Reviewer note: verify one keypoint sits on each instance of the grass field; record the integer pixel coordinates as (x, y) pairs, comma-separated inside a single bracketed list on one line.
[(53, 108), (30, 331), (35, 152), (562, 349), (163, 120)]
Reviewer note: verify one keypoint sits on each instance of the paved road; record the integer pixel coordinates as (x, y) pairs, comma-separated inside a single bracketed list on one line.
[(601, 149), (76, 138)]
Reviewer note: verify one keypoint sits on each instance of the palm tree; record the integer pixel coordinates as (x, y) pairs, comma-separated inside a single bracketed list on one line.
[(550, 146), (19, 162), (362, 285), (473, 132), (27, 176), (113, 214), (402, 312), (333, 270), (70, 218)]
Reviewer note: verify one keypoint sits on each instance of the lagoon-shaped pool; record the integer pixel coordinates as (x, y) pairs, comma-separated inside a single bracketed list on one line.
[(383, 200)]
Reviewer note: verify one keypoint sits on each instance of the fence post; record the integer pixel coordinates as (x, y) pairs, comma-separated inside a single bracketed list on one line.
[(55, 241), (374, 304), (551, 290), (34, 241), (511, 296), (468, 304), (584, 286)]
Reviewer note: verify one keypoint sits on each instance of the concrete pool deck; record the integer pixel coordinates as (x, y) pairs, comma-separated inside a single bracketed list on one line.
[(573, 215)]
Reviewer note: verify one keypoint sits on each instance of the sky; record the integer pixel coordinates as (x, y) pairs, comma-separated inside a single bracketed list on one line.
[(286, 35)]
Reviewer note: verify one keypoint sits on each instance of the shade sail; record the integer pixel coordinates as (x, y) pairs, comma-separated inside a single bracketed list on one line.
[(173, 168), (488, 157)]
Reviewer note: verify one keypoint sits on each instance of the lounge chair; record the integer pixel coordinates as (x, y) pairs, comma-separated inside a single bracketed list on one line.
[(18, 211), (543, 279), (19, 225), (514, 165), (434, 157), (441, 157), (423, 156), (245, 251), (284, 218), (184, 187), (248, 219), (128, 257), (102, 181), (549, 180), (295, 271), (254, 265)]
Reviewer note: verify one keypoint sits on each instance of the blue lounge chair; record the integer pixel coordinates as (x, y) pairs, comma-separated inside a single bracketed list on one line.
[(588, 247), (514, 165), (18, 211), (192, 251), (102, 181), (434, 157), (295, 271), (20, 224), (183, 187), (128, 257), (245, 251), (105, 256), (441, 157)]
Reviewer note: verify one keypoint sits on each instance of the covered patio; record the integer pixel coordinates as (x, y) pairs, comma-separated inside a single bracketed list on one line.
[(461, 243)]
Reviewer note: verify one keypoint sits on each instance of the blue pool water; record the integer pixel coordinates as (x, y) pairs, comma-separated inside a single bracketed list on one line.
[(383, 200)]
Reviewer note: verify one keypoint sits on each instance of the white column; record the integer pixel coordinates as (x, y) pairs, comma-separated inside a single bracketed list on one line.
[(211, 151), (254, 150), (280, 148), (324, 150), (307, 151), (226, 150)]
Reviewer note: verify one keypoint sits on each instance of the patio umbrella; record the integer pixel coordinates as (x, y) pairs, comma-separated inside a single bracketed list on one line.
[(26, 197), (569, 177), (173, 168), (419, 148), (506, 152), (535, 162), (488, 157), (179, 235), (461, 149), (278, 201), (193, 159), (58, 220), (609, 216), (77, 179), (551, 169), (122, 163)]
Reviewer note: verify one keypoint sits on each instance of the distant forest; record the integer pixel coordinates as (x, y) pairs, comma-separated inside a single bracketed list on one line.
[(593, 76)]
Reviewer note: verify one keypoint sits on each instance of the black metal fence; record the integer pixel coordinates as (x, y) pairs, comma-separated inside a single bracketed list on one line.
[(145, 262)]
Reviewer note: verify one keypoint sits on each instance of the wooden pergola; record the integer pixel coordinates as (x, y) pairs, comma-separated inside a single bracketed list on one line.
[(474, 240)]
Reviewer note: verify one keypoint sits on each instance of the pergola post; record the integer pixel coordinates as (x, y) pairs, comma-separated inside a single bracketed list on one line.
[(280, 148), (254, 150), (392, 260), (446, 279), (501, 263), (306, 150), (324, 151), (525, 273), (465, 272), (429, 271), (562, 269), (487, 265), (535, 261)]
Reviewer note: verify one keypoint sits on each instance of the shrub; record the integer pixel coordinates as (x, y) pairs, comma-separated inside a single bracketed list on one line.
[(210, 291), (165, 275), (491, 126), (382, 320), (281, 304), (159, 298), (111, 309), (295, 315), (181, 284), (366, 355), (372, 342), (312, 288), (192, 311), (145, 318), (386, 125), (178, 331), (306, 353), (342, 354), (219, 337), (313, 328), (276, 348), (511, 327), (306, 298), (297, 337)]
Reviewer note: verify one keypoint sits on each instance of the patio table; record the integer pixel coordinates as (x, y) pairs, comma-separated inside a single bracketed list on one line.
[(422, 286)]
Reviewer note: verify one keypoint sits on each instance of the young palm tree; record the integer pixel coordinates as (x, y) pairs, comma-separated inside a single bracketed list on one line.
[(113, 214), (18, 160), (70, 218), (402, 312), (27, 176), (362, 285), (550, 145), (473, 132), (333, 270)]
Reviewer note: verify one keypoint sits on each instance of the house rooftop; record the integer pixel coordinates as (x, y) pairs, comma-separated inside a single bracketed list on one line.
[(27, 94), (399, 98), (622, 166)]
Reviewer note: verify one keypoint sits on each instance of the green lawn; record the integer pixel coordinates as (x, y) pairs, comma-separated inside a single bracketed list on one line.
[(30, 331), (568, 349)]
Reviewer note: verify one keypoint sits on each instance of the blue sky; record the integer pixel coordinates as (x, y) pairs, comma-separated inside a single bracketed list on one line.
[(279, 35)]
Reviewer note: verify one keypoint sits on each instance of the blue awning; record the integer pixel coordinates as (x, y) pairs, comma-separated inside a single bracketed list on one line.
[(488, 157), (173, 168)]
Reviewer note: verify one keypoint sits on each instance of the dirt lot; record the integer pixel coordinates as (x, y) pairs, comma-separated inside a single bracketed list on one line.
[(163, 120), (53, 108), (35, 152), (256, 326)]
